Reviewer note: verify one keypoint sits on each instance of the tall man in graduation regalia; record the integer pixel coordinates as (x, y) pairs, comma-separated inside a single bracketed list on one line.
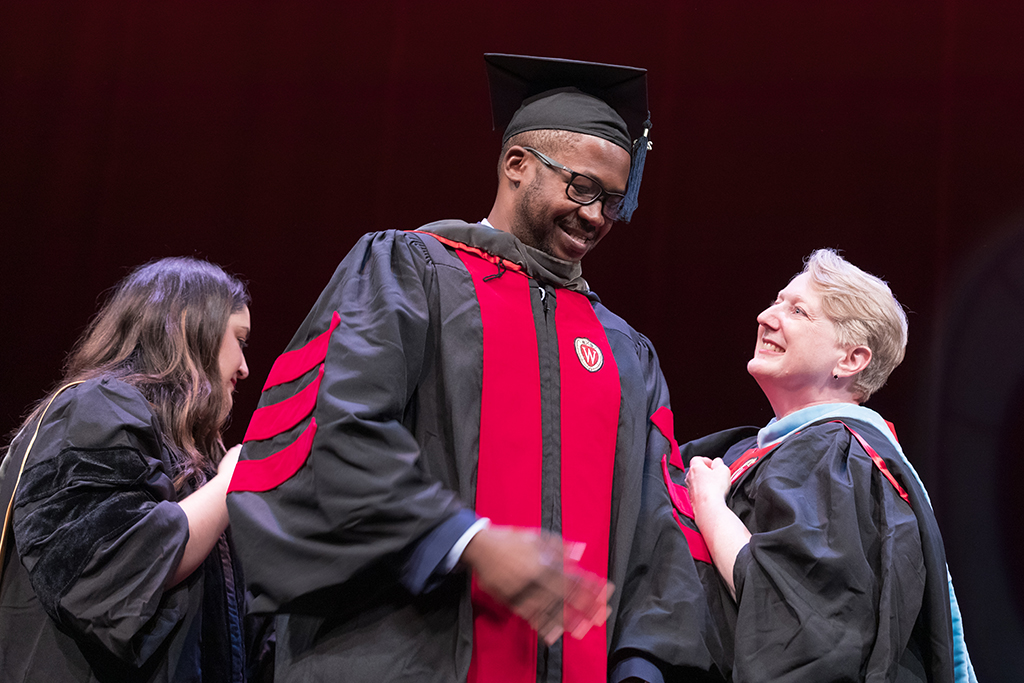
[(456, 404)]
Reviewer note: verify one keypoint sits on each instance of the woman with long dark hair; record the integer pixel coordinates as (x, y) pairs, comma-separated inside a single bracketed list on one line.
[(120, 565)]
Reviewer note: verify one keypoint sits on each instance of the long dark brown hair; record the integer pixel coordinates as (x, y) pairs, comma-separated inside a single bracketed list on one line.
[(161, 331)]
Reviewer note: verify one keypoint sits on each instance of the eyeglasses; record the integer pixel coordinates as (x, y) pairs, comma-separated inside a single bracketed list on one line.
[(583, 189)]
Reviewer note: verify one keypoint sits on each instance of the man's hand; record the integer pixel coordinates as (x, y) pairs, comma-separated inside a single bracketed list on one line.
[(535, 574)]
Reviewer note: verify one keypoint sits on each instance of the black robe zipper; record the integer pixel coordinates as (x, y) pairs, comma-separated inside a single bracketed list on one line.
[(549, 660)]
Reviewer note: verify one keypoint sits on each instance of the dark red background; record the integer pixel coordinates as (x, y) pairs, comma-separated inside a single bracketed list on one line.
[(269, 136)]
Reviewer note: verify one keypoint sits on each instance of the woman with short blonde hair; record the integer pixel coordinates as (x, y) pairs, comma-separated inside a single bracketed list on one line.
[(816, 541)]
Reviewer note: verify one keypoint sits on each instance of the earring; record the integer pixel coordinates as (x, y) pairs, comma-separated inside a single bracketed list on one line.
[(835, 376)]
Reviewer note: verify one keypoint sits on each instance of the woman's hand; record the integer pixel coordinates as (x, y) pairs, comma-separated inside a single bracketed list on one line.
[(709, 481), (228, 462)]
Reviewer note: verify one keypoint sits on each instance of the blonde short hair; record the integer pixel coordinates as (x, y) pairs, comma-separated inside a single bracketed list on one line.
[(864, 311)]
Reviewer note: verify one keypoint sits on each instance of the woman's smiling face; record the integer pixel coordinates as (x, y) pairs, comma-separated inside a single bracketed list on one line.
[(797, 350)]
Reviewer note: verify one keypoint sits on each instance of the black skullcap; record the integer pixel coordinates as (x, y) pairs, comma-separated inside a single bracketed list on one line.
[(604, 100), (570, 109)]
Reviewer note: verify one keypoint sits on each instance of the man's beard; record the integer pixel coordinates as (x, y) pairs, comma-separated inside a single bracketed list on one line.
[(533, 230)]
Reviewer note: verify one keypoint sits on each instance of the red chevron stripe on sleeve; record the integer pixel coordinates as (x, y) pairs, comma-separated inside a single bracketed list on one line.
[(294, 364), (276, 418), (274, 470)]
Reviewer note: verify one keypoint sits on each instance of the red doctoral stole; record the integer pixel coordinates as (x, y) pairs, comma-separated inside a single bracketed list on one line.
[(511, 451)]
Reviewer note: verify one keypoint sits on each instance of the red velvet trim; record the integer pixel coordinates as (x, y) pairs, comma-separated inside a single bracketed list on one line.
[(678, 494), (665, 422), (508, 487), (589, 427), (877, 459), (465, 248), (694, 539), (294, 364), (275, 469), (277, 418)]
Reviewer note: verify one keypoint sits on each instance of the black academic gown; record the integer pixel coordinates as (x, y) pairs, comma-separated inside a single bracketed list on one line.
[(395, 457), (97, 534), (842, 580)]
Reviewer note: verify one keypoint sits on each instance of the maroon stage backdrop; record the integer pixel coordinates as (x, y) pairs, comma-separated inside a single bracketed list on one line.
[(268, 136)]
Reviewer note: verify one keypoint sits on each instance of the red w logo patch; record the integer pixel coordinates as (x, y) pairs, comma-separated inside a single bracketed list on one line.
[(589, 354)]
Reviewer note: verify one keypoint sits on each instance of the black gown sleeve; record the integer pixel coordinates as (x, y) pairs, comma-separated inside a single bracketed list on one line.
[(96, 524), (664, 631), (830, 585), (361, 499)]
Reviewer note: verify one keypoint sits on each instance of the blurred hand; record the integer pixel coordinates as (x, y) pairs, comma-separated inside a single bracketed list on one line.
[(537, 576)]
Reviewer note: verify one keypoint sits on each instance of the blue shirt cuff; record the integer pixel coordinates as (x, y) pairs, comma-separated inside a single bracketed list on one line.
[(424, 569), (636, 667)]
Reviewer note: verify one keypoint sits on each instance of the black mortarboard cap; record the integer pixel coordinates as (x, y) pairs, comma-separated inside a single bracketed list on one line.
[(543, 93)]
